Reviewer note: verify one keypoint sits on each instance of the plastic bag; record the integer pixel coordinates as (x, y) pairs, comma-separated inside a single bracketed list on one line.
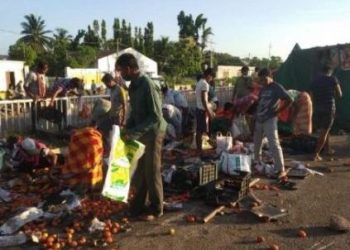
[(16, 222), (5, 195), (233, 164), (122, 162), (205, 142), (223, 143), (13, 240), (134, 150), (240, 127)]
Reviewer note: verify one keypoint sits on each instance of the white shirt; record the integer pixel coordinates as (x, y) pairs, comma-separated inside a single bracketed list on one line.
[(201, 86), (173, 116)]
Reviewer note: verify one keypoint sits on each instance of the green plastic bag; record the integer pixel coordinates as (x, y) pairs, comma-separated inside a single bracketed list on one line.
[(122, 162)]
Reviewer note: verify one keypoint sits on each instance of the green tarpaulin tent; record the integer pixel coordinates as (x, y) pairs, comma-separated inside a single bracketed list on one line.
[(302, 65)]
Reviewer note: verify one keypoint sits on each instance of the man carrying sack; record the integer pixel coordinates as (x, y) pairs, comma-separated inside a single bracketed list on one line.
[(145, 124)]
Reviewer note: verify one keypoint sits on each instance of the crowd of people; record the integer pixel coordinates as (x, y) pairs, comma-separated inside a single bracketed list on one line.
[(154, 111), (263, 103)]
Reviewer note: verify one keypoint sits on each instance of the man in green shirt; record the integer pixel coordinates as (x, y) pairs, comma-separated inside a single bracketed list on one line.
[(244, 85), (147, 125)]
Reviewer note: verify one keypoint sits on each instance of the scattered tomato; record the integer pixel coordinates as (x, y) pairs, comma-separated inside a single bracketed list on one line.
[(57, 246), (260, 239), (274, 247), (190, 218), (172, 231), (125, 220), (70, 230), (302, 234), (50, 239), (73, 243), (82, 241), (109, 240), (107, 234)]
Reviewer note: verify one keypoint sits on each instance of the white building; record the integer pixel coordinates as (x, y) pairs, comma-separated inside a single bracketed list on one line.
[(146, 65), (11, 72), (225, 72)]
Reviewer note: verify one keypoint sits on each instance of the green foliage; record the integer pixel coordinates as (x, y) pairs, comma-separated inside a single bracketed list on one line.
[(85, 57), (179, 61), (194, 28), (148, 40), (91, 38), (23, 52), (116, 29), (34, 33), (227, 59), (185, 59), (103, 33), (163, 48)]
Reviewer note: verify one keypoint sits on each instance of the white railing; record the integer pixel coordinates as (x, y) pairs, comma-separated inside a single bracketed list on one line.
[(16, 115)]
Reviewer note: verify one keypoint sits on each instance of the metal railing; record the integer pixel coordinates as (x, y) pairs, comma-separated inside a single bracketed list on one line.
[(16, 115)]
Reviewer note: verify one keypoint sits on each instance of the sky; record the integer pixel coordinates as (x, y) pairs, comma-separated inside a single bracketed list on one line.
[(242, 28)]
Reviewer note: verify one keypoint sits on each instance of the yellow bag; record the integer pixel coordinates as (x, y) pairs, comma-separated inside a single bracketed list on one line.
[(122, 162)]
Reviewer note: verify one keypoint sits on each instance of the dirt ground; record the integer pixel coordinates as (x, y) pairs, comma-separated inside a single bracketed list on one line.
[(310, 207)]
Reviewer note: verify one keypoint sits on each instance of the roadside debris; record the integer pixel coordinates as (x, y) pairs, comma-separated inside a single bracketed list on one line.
[(16, 222), (13, 240), (268, 212)]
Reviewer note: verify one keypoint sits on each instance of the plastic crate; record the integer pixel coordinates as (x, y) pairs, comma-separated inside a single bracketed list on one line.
[(240, 183), (207, 173)]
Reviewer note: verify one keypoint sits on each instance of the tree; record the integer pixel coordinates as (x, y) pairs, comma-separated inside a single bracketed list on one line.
[(198, 24), (186, 25), (141, 43), (90, 38), (275, 62), (148, 39), (116, 29), (23, 52), (103, 33), (35, 33), (226, 59), (129, 36), (124, 34), (62, 36), (206, 32), (84, 57), (185, 58), (162, 47), (194, 28), (96, 28), (136, 39), (76, 41)]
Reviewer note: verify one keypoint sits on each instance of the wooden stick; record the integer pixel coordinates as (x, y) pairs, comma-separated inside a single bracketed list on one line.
[(254, 181), (213, 213)]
